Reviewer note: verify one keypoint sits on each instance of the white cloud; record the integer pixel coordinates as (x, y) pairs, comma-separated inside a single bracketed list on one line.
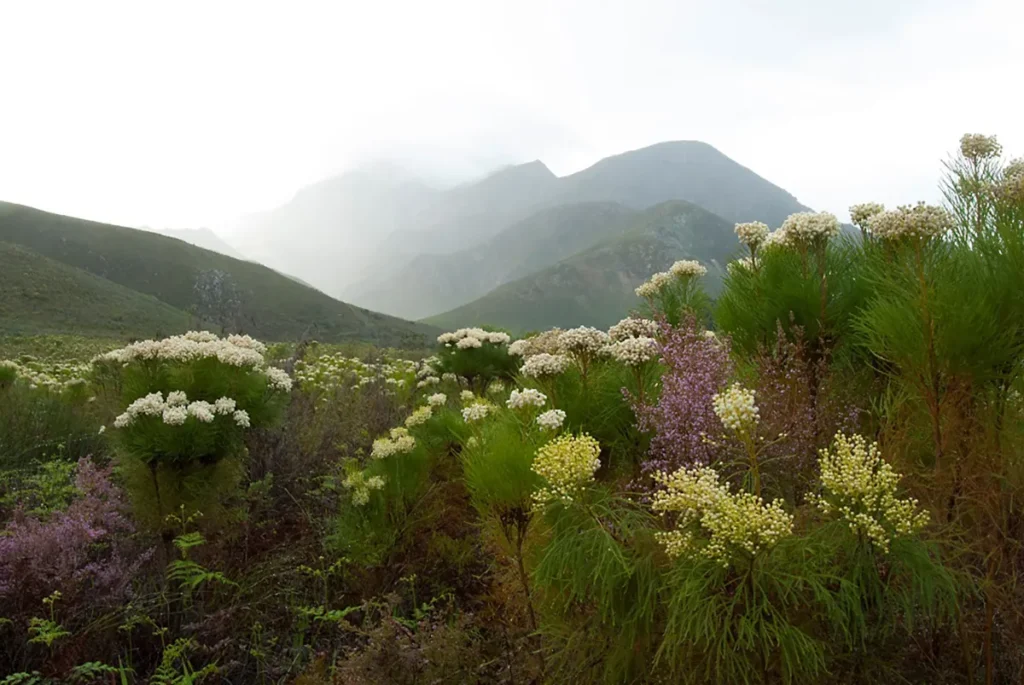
[(189, 113)]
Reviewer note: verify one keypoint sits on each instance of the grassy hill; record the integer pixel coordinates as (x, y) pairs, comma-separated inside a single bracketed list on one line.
[(595, 287), (433, 283), (261, 301), (41, 295)]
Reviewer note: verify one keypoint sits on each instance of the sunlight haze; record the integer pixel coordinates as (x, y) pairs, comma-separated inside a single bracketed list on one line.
[(190, 114)]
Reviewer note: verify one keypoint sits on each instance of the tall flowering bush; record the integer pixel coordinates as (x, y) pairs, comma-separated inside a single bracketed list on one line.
[(478, 355), (189, 400), (697, 367)]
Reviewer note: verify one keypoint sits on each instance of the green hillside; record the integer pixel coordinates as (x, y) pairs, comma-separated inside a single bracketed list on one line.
[(434, 283), (243, 295), (41, 295), (595, 287)]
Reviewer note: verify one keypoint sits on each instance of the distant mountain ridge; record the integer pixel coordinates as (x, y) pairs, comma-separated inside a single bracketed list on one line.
[(595, 287), (202, 237), (261, 301), (373, 227)]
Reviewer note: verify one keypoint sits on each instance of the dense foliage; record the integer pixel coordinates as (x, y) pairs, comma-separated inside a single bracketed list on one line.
[(824, 488)]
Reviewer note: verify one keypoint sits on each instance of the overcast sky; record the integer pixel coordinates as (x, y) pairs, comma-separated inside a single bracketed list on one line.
[(182, 114)]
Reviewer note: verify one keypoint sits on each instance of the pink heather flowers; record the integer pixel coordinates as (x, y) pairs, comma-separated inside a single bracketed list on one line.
[(697, 367)]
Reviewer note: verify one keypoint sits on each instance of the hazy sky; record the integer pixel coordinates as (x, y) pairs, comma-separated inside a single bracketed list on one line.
[(189, 113)]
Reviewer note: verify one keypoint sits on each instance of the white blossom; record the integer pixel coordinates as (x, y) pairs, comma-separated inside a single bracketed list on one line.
[(687, 268), (520, 399), (752, 233), (632, 327), (437, 400), (633, 351), (544, 364), (475, 412), (736, 409), (551, 420), (806, 228)]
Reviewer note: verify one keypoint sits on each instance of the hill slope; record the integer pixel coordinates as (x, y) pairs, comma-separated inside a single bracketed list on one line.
[(202, 237), (595, 287), (433, 283), (253, 298), (45, 296)]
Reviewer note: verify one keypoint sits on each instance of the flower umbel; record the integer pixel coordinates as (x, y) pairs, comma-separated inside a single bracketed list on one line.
[(567, 463), (861, 488)]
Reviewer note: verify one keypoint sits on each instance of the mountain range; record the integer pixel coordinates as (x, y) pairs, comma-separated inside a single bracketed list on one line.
[(391, 243), (123, 282)]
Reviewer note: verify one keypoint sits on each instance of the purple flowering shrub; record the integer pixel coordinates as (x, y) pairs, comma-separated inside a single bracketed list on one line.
[(696, 367), (82, 551)]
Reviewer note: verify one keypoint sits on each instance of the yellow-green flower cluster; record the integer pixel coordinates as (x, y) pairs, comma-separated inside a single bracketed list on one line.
[(361, 486), (712, 522), (419, 416), (861, 488), (736, 409), (398, 442), (567, 464)]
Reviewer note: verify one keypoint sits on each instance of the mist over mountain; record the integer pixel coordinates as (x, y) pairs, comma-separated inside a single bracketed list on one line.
[(380, 237)]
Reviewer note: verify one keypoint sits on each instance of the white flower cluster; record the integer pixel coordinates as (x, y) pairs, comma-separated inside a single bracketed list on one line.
[(467, 396), (496, 388), (567, 464), (477, 337), (861, 214), (328, 372), (632, 327), (361, 486), (176, 409), (241, 341), (50, 375), (807, 228), (918, 222), (522, 399), (551, 420), (428, 367), (741, 264), (419, 416), (707, 512), (687, 268), (653, 286), (582, 342), (398, 442), (278, 379), (752, 233), (976, 146), (548, 342), (861, 488), (633, 351), (544, 364), (428, 381), (736, 409), (476, 412), (191, 346), (437, 400)]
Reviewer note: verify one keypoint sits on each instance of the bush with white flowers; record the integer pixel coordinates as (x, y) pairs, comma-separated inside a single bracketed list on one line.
[(478, 355)]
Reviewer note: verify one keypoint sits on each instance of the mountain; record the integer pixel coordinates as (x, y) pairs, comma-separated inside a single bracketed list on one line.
[(595, 287), (329, 231), (45, 296), (433, 283), (243, 294), (202, 237), (683, 170)]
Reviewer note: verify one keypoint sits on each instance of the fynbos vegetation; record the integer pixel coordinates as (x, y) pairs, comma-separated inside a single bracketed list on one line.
[(814, 477)]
